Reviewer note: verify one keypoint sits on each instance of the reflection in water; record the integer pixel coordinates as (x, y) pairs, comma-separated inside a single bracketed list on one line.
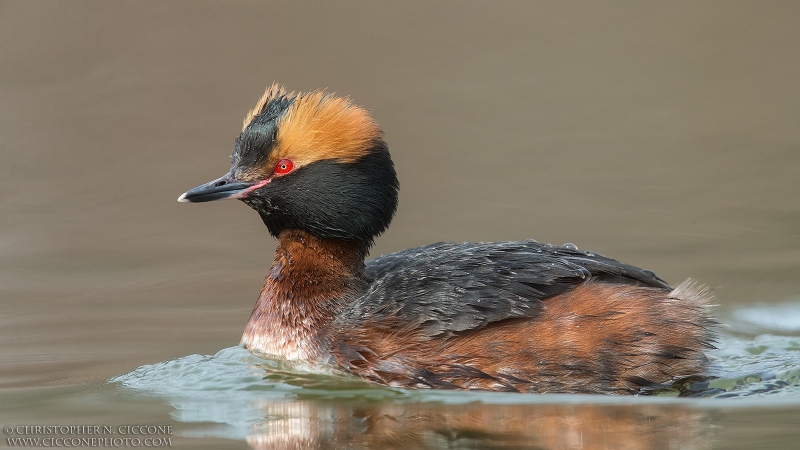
[(314, 424)]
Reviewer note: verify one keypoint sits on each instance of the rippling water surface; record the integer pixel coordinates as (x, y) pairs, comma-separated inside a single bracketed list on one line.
[(269, 405), (664, 135)]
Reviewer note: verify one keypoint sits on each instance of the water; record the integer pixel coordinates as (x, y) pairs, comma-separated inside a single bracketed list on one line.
[(246, 397), (662, 135), (234, 395)]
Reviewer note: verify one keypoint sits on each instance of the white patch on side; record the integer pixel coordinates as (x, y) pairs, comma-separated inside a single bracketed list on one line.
[(292, 348), (692, 291)]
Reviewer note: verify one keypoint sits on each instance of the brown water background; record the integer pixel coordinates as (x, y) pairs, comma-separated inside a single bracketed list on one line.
[(666, 135)]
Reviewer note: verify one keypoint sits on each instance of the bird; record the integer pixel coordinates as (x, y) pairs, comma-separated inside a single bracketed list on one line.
[(502, 316)]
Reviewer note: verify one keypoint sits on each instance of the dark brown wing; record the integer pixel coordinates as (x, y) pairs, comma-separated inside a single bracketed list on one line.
[(452, 288)]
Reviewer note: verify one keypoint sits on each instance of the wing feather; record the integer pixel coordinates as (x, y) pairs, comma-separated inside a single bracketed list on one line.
[(450, 288)]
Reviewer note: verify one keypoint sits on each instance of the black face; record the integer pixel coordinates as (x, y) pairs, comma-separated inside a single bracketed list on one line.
[(333, 200), (328, 198)]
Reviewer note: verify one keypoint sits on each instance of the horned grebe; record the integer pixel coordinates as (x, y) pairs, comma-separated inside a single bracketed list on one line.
[(507, 316)]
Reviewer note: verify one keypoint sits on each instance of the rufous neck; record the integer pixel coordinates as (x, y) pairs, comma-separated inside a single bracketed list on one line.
[(305, 257), (310, 279)]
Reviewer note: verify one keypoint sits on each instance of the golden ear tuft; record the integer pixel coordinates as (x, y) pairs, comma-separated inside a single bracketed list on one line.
[(321, 126)]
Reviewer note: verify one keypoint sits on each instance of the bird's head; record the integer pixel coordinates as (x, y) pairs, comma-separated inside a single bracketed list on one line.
[(313, 162)]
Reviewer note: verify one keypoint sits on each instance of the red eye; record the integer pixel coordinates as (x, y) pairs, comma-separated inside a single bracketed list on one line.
[(283, 167)]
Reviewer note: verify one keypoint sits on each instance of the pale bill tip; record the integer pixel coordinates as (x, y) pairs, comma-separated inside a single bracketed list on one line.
[(182, 198)]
